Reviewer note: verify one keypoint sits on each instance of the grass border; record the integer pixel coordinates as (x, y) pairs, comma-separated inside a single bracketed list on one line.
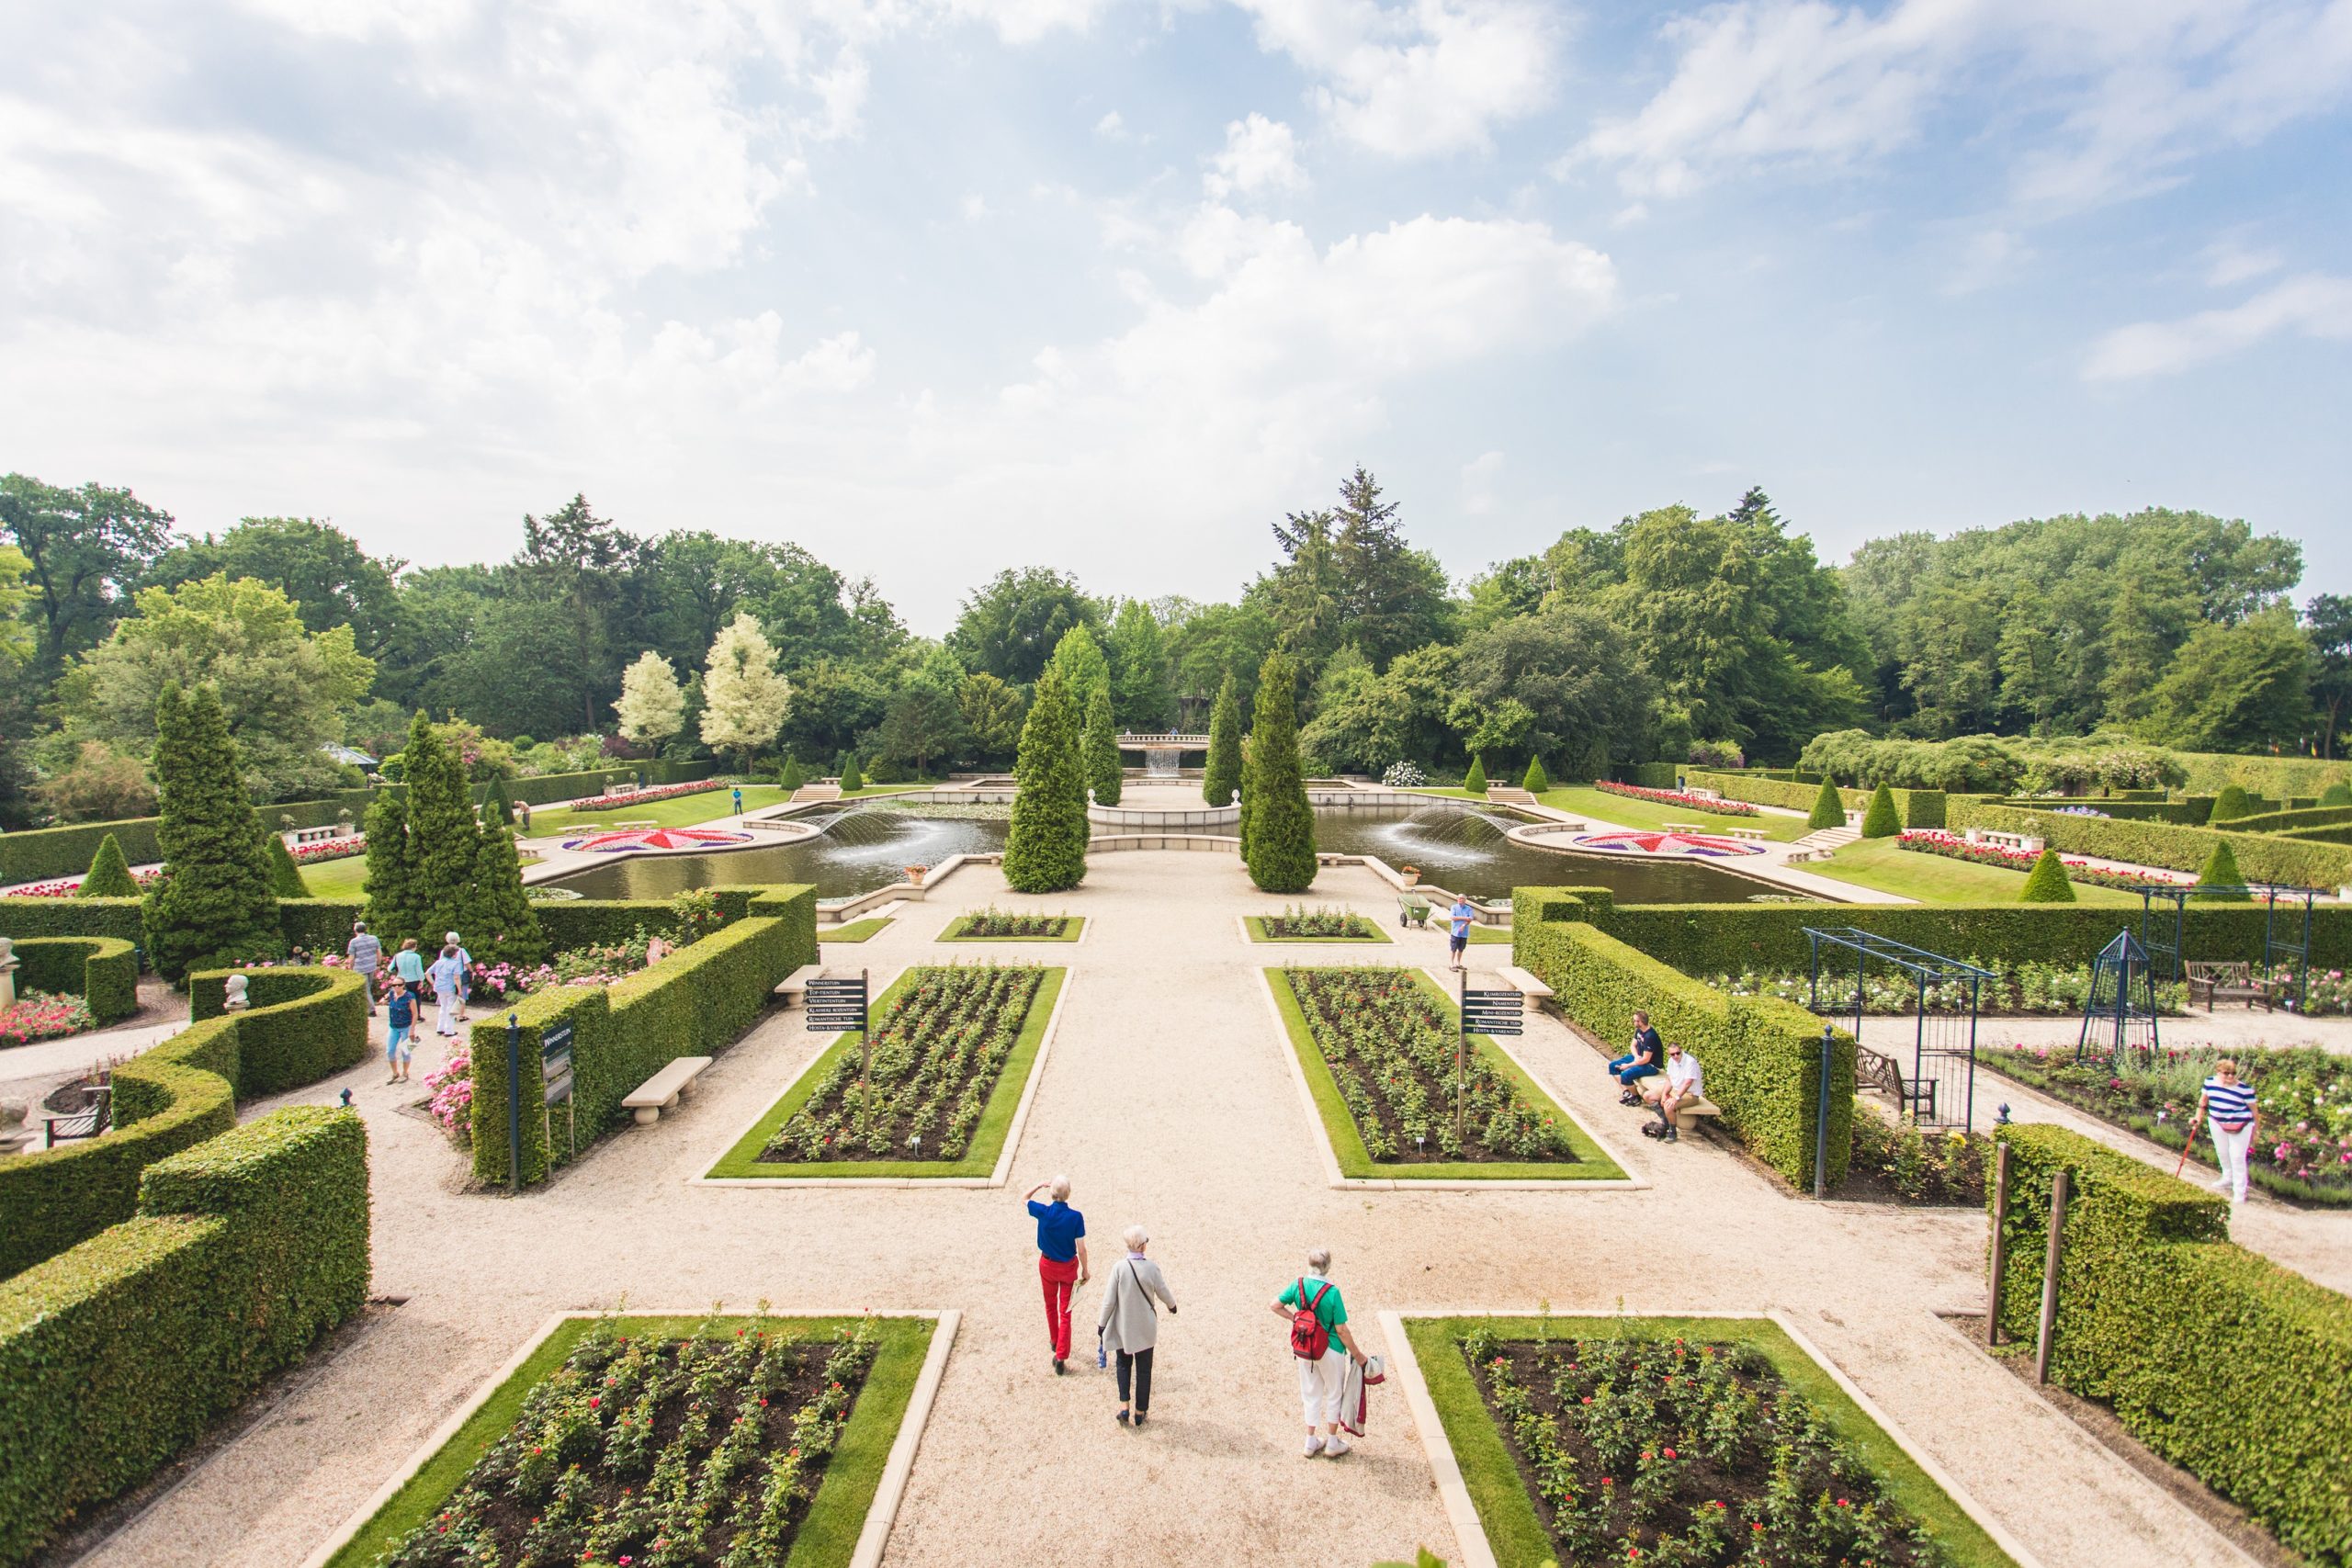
[(828, 1536), (1514, 1530), (856, 931), (1254, 928), (1075, 931), (1346, 1143), (741, 1161)]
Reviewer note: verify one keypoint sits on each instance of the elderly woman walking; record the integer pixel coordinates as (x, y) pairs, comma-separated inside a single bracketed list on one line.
[(1128, 1326)]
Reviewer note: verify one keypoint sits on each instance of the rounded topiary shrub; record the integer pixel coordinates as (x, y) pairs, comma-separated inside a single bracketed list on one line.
[(2229, 805), (1535, 782), (2047, 882), (2337, 794), (1474, 780), (1829, 808), (2222, 870), (1881, 820)]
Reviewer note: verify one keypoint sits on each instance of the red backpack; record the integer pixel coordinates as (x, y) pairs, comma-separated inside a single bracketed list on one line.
[(1308, 1339)]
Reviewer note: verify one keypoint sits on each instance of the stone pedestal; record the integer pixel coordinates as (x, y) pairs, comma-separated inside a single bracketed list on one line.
[(8, 962)]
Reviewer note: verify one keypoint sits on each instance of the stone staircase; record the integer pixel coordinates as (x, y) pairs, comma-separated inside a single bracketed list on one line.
[(1509, 795), (1822, 842), (816, 792)]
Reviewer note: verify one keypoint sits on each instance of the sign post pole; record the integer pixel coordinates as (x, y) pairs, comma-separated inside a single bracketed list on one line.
[(514, 1105), (1460, 1054)]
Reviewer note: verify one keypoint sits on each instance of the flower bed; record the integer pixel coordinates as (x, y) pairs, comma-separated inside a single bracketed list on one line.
[(936, 1055), (1896, 1157), (993, 924), (1632, 1444), (1390, 1046), (2304, 1097), (65, 887), (2030, 988), (40, 1015), (1936, 841), (643, 796), (344, 848), (665, 1441), (1299, 923), (1680, 799), (450, 1089)]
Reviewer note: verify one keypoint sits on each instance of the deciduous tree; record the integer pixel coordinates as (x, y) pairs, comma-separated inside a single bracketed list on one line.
[(744, 700), (652, 708)]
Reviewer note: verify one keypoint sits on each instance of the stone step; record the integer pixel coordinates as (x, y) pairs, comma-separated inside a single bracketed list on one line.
[(816, 792)]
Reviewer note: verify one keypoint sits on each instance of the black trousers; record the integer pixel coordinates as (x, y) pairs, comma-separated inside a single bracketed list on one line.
[(1140, 1362)]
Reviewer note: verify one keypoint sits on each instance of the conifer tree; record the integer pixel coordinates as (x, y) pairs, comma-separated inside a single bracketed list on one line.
[(214, 906), (1537, 781), (1045, 850), (1222, 775), (792, 777), (1881, 820), (1828, 807), (1103, 774), (498, 805), (2222, 870), (110, 873), (1474, 780), (443, 841), (284, 876), (851, 780), (1278, 838), (2047, 882), (391, 891), (506, 918)]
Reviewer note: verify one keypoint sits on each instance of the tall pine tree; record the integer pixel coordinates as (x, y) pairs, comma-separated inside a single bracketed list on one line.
[(1103, 774), (443, 841), (391, 890), (1222, 776), (1278, 838), (214, 906), (508, 925), (1045, 850)]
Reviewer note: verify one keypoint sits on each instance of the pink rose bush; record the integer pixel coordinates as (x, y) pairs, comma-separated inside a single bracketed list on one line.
[(1951, 846)]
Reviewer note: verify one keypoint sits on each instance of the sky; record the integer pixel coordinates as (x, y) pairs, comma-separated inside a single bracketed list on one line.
[(938, 286)]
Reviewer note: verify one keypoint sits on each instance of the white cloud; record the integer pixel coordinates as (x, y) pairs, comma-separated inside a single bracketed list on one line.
[(2227, 262), (1429, 76), (1259, 154), (974, 208), (1985, 258), (2312, 306), (1111, 127), (2131, 91), (1478, 476)]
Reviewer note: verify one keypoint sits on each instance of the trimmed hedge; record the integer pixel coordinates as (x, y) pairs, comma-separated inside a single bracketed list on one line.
[(40, 853), (2187, 812), (103, 970), (176, 1095), (694, 1003), (117, 1354), (2288, 821), (2217, 1358), (1917, 808), (1760, 1056), (122, 919), (1648, 775), (2264, 857)]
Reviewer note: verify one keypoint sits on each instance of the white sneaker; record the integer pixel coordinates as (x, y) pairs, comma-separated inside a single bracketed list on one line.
[(1314, 1445), (1335, 1446)]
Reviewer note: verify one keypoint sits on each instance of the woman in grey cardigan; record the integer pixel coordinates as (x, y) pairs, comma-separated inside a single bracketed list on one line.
[(1129, 1324)]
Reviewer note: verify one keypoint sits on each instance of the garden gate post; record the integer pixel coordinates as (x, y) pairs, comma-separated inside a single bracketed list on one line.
[(2058, 1189), (2000, 1242)]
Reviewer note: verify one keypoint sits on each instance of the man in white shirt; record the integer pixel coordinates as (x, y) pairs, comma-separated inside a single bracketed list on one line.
[(1682, 1083)]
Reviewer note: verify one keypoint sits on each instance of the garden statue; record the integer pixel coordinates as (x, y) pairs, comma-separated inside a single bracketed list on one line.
[(236, 1002), (14, 1134), (8, 962)]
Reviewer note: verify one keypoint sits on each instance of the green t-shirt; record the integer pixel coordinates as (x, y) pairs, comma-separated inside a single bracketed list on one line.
[(1330, 1310)]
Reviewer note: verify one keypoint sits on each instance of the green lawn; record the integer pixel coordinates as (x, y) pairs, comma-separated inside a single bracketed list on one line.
[(1506, 1510), (347, 877), (1356, 1161), (855, 931), (1481, 936), (678, 811), (1073, 927), (1582, 800), (828, 1535), (1885, 865)]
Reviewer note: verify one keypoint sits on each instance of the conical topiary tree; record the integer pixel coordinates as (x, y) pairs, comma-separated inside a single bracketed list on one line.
[(1278, 838), (2047, 882), (284, 876), (1537, 781), (1474, 780), (1222, 775), (1103, 774), (1046, 849), (392, 880), (1881, 820), (443, 841), (497, 806), (214, 906), (851, 780), (792, 777), (2229, 805), (110, 873), (2337, 794), (1828, 807), (508, 923), (2222, 870)]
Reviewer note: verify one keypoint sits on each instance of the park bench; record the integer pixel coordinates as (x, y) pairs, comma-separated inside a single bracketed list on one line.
[(1686, 827), (795, 986), (2212, 983), (321, 835), (93, 1118), (1687, 1115), (626, 827), (661, 1092), (1525, 984), (1412, 911), (2024, 843), (1753, 835)]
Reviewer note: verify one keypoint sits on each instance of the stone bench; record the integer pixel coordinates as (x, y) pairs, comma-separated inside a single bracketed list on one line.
[(321, 835), (795, 986), (627, 826), (661, 1092), (1754, 835), (1525, 984), (1685, 828), (1687, 1115)]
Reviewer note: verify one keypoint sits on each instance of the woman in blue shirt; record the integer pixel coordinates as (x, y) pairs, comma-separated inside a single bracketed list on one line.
[(2228, 1109), (1061, 1260)]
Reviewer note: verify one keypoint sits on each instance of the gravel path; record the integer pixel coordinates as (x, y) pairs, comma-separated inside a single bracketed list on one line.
[(1167, 1100)]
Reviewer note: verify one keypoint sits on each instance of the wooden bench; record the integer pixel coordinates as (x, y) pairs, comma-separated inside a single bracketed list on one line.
[(661, 1092), (1412, 910), (1525, 984), (795, 986), (2209, 983)]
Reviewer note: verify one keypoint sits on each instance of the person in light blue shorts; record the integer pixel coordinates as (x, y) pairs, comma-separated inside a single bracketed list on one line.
[(400, 1016)]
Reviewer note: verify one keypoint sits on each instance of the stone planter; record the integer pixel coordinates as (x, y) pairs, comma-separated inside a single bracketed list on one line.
[(1412, 877), (915, 873)]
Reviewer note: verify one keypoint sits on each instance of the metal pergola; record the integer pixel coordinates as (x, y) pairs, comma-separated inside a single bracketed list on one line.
[(1943, 1063), (2167, 949)]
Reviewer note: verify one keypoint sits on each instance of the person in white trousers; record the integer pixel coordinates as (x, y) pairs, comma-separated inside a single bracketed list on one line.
[(2230, 1114), (1322, 1380)]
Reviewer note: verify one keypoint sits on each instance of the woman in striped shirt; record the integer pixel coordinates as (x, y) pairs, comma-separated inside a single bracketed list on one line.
[(2228, 1110)]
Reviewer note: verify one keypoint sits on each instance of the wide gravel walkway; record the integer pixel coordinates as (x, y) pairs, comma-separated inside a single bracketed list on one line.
[(1167, 1100)]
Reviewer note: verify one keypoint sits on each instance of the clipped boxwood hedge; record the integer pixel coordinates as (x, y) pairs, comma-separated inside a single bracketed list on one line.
[(694, 1003), (103, 970), (1917, 808), (2190, 812), (38, 855), (2265, 857), (2288, 821), (1760, 1056), (115, 1355), (2217, 1358), (122, 919), (176, 1095)]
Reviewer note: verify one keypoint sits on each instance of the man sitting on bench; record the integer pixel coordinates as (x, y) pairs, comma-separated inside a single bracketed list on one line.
[(1646, 1060), (1683, 1083)]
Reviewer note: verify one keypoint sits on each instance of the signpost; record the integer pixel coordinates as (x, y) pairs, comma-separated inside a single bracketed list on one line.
[(836, 1005), (554, 1081), (1483, 1012)]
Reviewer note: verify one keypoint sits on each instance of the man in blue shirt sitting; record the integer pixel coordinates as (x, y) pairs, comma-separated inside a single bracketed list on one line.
[(1061, 1260), (1645, 1060)]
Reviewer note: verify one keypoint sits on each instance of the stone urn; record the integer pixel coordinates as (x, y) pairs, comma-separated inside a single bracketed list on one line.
[(1410, 874), (915, 873)]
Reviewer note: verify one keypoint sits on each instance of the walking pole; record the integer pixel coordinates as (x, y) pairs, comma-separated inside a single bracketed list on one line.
[(2188, 1145)]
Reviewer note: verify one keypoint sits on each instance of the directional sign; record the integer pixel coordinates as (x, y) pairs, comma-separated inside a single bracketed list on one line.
[(1493, 1012), (836, 1004), (555, 1065)]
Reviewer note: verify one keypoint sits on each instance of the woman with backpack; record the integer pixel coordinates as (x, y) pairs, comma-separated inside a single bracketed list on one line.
[(1128, 1326), (1320, 1340)]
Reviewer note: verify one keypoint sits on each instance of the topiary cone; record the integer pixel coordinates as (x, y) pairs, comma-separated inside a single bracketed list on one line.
[(284, 876), (1881, 820), (851, 780), (110, 873), (2222, 870), (1474, 780), (1828, 807), (2047, 882), (2229, 805), (1535, 782)]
